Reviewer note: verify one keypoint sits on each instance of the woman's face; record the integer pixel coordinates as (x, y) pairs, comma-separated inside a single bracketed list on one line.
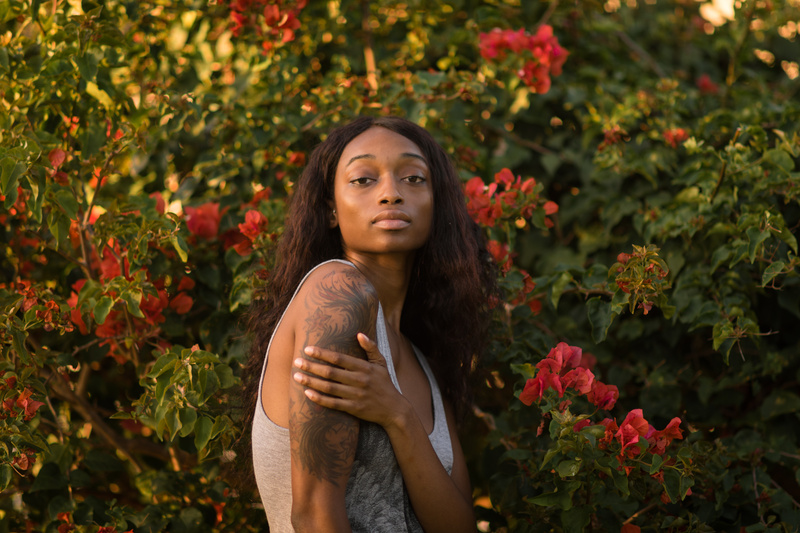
[(383, 198)]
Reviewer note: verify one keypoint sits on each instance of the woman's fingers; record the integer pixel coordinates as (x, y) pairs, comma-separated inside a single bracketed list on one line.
[(341, 360), (330, 388), (374, 354)]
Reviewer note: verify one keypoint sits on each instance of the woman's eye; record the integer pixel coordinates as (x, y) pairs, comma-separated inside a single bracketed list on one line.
[(361, 181), (415, 179)]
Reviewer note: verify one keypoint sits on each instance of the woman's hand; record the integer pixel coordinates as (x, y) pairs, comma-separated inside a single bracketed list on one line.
[(362, 388)]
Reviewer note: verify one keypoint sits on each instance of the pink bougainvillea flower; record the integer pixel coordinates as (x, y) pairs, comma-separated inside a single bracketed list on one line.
[(203, 220), (181, 303), (632, 428), (580, 425), (254, 224), (603, 396), (561, 358), (659, 440), (536, 387), (707, 86), (75, 313), (579, 379), (28, 406), (675, 136)]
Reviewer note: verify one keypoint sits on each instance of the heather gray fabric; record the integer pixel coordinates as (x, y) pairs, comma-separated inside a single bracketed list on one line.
[(376, 498)]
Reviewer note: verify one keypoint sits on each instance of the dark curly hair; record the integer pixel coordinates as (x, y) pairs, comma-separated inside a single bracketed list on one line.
[(446, 311)]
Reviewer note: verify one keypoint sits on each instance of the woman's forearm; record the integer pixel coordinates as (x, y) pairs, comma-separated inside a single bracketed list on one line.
[(438, 501)]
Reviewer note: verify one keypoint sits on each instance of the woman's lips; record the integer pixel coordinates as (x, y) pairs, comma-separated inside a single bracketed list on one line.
[(392, 219)]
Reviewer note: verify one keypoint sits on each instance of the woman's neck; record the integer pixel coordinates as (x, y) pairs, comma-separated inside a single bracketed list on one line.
[(390, 275)]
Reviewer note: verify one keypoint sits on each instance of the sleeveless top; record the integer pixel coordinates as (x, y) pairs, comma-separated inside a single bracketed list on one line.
[(375, 497)]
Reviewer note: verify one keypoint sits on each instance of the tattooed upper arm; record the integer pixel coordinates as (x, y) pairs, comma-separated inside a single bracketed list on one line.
[(338, 304)]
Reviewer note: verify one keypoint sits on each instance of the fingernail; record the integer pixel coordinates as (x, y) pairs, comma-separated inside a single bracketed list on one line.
[(308, 350), (298, 362), (298, 377)]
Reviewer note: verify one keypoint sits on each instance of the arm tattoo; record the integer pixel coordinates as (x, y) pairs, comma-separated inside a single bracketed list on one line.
[(324, 440)]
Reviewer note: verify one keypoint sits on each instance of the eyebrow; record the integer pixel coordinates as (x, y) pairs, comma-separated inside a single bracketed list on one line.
[(370, 156)]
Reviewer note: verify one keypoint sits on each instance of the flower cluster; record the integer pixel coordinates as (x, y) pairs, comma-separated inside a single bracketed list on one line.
[(641, 275), (508, 198), (279, 19), (540, 54), (13, 400), (566, 368), (632, 431), (675, 136)]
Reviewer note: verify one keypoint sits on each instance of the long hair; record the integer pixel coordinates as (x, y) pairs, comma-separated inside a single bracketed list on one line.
[(446, 311)]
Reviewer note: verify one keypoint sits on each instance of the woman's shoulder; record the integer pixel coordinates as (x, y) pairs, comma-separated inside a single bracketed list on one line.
[(338, 284)]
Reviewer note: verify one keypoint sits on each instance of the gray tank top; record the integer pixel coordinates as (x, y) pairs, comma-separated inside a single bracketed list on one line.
[(376, 498)]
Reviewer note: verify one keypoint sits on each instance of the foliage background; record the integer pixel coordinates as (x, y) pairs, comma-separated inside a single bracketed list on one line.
[(136, 137)]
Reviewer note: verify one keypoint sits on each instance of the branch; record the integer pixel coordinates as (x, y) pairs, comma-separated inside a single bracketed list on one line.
[(90, 415), (634, 46), (369, 55)]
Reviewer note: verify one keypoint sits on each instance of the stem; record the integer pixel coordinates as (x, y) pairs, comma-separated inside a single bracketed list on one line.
[(641, 52), (731, 76), (369, 55), (639, 513), (724, 167), (547, 14), (90, 415)]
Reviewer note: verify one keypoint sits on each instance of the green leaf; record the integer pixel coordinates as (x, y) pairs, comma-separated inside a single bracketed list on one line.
[(180, 247), (672, 484), (755, 237), (568, 468), (11, 171), (657, 462), (18, 343), (779, 158), (600, 317), (66, 200), (100, 95), (576, 519), (559, 286), (173, 422), (202, 432), (133, 300), (779, 403), (102, 309), (771, 271), (188, 417), (5, 476), (561, 497)]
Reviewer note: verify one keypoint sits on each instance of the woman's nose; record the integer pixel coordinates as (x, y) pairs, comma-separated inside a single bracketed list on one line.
[(390, 193)]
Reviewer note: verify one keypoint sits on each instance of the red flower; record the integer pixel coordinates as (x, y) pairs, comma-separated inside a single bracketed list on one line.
[(580, 425), (675, 136), (500, 254), (707, 86), (579, 379), (161, 204), (659, 440), (254, 224), (633, 427), (203, 220), (28, 406), (550, 208), (181, 303), (562, 357), (75, 312), (535, 387), (602, 395), (57, 157)]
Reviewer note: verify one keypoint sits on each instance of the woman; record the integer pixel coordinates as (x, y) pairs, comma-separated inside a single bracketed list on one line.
[(379, 263)]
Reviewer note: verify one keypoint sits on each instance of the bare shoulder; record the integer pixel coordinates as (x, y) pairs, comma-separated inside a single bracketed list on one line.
[(335, 303)]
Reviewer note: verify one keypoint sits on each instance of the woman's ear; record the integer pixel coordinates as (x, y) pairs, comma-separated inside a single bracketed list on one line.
[(333, 221)]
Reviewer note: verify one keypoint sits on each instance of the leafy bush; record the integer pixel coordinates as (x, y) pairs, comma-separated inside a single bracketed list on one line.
[(635, 167)]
